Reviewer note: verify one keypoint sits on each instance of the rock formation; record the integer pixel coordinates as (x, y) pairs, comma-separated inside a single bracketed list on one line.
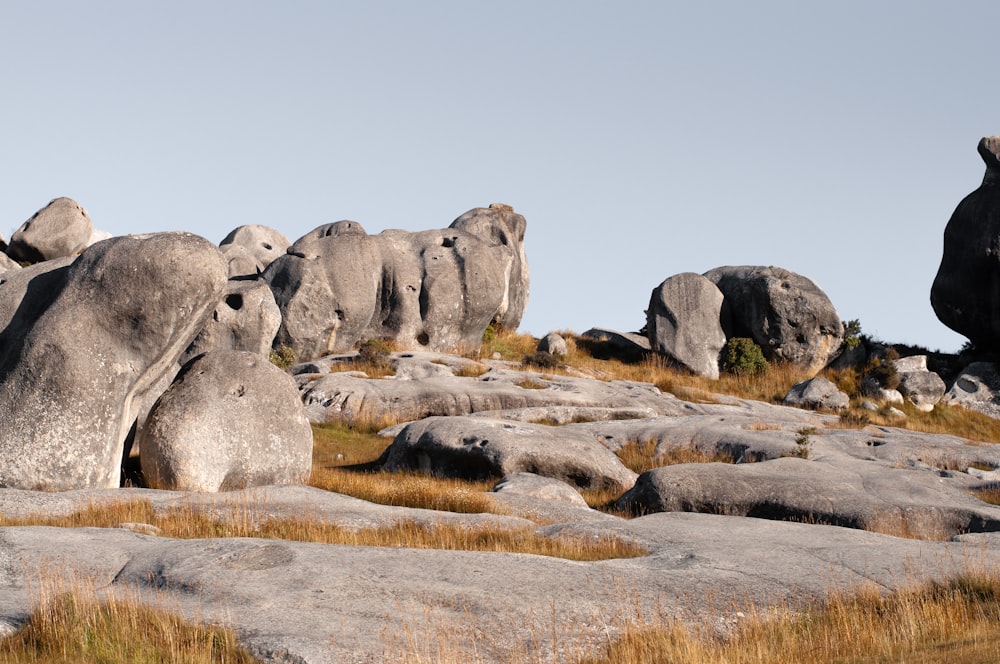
[(965, 294), (683, 322), (785, 313), (436, 290), (76, 363), (230, 420), (60, 229)]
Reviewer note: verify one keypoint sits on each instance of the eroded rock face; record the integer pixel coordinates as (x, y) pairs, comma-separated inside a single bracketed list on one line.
[(683, 321), (477, 448), (817, 392), (263, 244), (61, 228), (230, 420), (436, 290), (785, 313), (74, 369), (246, 318)]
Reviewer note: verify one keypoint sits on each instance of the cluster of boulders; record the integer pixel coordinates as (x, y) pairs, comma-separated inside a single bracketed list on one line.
[(691, 316), (96, 331)]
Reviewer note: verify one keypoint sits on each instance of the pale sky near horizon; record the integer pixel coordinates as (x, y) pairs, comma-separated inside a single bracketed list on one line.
[(638, 139)]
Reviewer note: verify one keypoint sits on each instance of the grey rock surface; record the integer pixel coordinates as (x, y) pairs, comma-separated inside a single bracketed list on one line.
[(921, 388), (348, 398), (247, 318), (817, 392), (74, 372), (539, 486), (785, 313), (264, 244), (479, 448), (60, 229), (433, 290), (965, 294), (977, 388), (684, 321), (553, 343), (230, 420), (500, 225)]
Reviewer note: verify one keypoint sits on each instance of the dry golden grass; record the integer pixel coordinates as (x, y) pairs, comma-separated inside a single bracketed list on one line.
[(71, 623), (408, 489), (947, 623), (988, 493), (641, 455)]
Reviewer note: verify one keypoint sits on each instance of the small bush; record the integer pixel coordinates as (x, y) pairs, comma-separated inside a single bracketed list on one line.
[(852, 333), (882, 370), (742, 357), (282, 357), (543, 360)]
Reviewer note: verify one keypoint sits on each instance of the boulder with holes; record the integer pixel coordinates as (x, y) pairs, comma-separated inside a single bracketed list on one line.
[(260, 244), (437, 290), (247, 318), (77, 361), (230, 420)]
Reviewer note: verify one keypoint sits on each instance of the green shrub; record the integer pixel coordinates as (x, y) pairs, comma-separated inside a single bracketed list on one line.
[(282, 357), (742, 357), (852, 333)]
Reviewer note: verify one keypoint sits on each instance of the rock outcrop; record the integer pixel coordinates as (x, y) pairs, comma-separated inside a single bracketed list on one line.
[(60, 229), (785, 313), (230, 420), (76, 363), (683, 322), (246, 318), (817, 392), (264, 245), (436, 290), (965, 294)]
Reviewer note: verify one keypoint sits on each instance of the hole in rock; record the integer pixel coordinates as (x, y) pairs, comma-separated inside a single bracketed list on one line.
[(234, 301)]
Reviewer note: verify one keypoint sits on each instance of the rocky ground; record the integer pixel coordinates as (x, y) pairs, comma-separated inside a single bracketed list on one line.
[(718, 534)]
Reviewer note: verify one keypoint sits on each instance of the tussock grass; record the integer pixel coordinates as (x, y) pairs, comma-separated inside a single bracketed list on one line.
[(936, 622), (71, 623), (641, 455), (408, 489)]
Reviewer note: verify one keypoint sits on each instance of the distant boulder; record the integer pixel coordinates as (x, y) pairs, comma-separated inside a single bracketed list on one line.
[(246, 318), (785, 313), (263, 244), (553, 343), (60, 229), (977, 388), (965, 294), (230, 420), (433, 290), (90, 341), (817, 392), (683, 322)]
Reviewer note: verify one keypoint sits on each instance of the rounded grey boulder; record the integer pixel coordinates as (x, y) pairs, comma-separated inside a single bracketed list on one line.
[(684, 321), (61, 228), (785, 313), (76, 365), (230, 420), (264, 244), (247, 318)]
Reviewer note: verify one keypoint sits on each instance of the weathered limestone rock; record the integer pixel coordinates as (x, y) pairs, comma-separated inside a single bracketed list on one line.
[(817, 392), (965, 294), (436, 290), (921, 388), (264, 244), (683, 321), (553, 343), (977, 388), (75, 370), (61, 228), (785, 313), (230, 420), (478, 448), (546, 488), (855, 494), (500, 225), (247, 318)]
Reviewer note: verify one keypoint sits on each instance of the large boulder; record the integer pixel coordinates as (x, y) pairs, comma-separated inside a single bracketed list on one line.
[(247, 318), (965, 294), (61, 228), (683, 321), (479, 448), (74, 372), (817, 392), (437, 290), (785, 313), (500, 225), (263, 244), (230, 420), (976, 388)]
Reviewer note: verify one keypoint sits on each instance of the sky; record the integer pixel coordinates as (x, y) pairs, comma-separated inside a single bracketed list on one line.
[(638, 139)]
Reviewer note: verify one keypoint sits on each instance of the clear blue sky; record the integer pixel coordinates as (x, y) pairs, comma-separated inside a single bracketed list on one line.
[(639, 139)]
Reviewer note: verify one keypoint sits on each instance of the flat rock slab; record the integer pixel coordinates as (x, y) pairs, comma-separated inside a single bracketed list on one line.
[(301, 602)]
